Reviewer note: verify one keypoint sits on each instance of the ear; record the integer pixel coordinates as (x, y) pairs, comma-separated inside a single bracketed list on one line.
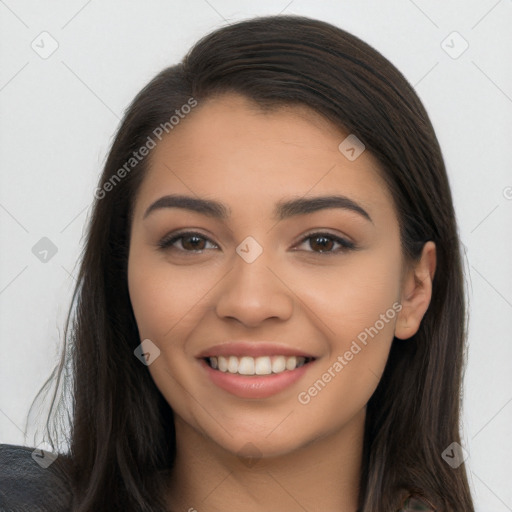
[(416, 293)]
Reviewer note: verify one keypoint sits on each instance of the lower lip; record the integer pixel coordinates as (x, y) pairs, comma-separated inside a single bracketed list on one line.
[(257, 386)]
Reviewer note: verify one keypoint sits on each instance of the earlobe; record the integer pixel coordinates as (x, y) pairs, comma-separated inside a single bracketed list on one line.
[(416, 293)]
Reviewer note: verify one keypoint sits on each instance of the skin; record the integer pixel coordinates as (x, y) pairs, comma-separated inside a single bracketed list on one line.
[(308, 456)]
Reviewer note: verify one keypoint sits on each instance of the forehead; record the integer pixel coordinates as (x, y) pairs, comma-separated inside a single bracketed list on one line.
[(230, 148)]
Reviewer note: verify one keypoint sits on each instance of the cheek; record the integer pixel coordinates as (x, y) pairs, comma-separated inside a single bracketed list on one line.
[(357, 305), (345, 299), (165, 305), (164, 299), (343, 382)]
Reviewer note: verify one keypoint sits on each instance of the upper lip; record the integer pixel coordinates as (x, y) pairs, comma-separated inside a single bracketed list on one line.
[(252, 349)]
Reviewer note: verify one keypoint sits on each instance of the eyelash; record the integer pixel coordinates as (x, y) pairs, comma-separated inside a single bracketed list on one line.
[(167, 242)]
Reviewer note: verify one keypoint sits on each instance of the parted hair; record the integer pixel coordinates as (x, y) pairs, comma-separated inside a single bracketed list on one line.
[(121, 430)]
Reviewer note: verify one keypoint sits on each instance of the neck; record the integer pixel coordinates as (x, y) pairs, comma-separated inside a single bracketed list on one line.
[(322, 475)]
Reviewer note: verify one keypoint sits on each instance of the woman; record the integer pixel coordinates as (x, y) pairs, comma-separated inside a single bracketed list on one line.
[(270, 309)]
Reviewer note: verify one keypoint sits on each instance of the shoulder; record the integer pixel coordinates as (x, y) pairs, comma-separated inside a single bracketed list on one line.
[(32, 480)]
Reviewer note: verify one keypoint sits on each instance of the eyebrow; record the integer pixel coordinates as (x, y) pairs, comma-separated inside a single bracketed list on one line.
[(283, 209)]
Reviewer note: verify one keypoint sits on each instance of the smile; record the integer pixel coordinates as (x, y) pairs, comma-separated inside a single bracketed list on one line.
[(254, 377), (263, 365)]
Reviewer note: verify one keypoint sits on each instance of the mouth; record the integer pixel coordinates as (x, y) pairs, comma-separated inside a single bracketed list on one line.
[(255, 370), (253, 366)]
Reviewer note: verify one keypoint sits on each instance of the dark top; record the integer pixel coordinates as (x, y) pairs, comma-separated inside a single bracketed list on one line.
[(32, 481)]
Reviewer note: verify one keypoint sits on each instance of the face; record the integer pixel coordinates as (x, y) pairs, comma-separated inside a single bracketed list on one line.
[(273, 321)]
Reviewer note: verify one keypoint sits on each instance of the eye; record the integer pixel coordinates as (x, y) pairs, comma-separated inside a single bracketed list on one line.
[(195, 242), (325, 242), (190, 242)]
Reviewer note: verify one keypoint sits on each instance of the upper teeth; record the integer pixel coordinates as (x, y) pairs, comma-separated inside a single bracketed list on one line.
[(264, 365)]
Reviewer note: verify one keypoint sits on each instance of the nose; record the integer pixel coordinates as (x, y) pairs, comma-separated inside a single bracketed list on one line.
[(253, 292)]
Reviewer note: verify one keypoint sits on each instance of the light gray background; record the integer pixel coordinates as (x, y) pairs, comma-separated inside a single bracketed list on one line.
[(58, 115)]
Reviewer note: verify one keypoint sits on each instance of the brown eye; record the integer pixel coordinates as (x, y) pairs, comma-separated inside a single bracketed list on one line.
[(190, 242), (324, 243), (319, 243)]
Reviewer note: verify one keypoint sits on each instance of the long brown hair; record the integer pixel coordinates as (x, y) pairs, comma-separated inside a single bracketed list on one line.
[(121, 439)]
